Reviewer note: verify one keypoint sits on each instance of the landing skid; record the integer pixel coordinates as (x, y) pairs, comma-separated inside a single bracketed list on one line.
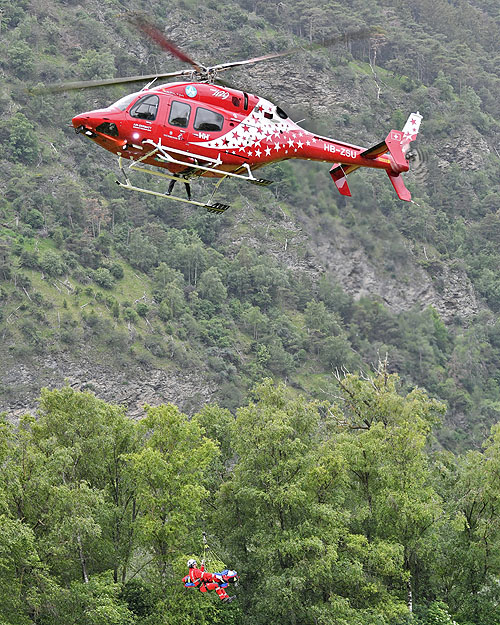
[(172, 156), (212, 207), (216, 207)]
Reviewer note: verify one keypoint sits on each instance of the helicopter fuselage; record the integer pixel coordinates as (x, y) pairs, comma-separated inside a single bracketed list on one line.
[(232, 130)]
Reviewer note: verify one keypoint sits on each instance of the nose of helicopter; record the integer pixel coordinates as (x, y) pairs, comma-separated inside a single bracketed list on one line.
[(78, 120), (85, 121), (89, 118)]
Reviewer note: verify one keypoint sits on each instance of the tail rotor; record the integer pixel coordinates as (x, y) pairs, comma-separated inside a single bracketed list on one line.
[(418, 158)]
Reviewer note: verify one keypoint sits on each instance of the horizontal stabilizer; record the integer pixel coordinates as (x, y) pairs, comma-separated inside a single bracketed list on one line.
[(376, 150), (393, 145), (397, 144)]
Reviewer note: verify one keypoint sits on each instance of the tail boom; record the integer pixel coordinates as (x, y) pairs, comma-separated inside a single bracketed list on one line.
[(389, 154)]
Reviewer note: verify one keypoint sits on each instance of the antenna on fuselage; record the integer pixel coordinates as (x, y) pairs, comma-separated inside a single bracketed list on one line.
[(150, 83)]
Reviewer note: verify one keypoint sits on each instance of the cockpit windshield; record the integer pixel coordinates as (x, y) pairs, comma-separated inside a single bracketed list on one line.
[(123, 103)]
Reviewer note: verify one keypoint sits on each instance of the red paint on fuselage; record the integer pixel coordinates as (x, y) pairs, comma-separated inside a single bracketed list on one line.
[(253, 132)]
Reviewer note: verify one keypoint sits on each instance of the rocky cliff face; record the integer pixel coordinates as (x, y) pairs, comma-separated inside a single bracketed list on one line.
[(448, 290), (131, 387)]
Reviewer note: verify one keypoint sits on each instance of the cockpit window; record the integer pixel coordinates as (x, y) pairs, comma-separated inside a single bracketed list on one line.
[(208, 120), (179, 114), (281, 113), (146, 108), (123, 103)]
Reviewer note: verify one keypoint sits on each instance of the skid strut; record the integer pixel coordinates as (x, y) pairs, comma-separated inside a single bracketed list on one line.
[(213, 207), (165, 154)]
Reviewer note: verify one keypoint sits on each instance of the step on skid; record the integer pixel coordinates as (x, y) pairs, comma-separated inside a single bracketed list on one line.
[(216, 207)]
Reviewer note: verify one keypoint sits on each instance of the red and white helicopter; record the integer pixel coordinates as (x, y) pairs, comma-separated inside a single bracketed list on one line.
[(197, 128)]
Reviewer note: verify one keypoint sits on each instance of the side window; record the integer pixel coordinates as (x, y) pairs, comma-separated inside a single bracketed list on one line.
[(208, 120), (146, 108), (179, 114)]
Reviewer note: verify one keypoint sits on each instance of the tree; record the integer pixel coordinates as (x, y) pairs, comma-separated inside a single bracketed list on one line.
[(5, 260), (22, 574), (21, 58), (89, 441), (169, 472), (210, 287), (284, 510), (469, 563), (52, 264), (253, 319), (97, 64), (141, 252), (392, 493), (23, 142), (103, 277)]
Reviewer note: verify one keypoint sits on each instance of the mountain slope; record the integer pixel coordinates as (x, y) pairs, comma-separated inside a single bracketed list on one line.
[(140, 299)]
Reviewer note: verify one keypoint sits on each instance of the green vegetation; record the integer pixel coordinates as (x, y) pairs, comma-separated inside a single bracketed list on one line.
[(364, 496), (332, 513)]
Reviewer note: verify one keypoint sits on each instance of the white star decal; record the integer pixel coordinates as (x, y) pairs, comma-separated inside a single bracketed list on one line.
[(258, 153), (299, 144), (276, 146), (268, 151)]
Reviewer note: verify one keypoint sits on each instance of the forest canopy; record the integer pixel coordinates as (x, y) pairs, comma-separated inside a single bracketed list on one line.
[(339, 512)]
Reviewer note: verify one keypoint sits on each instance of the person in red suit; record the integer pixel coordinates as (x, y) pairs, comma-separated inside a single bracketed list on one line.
[(201, 579)]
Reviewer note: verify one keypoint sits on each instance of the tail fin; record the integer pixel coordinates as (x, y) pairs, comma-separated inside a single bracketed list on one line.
[(397, 143), (410, 130)]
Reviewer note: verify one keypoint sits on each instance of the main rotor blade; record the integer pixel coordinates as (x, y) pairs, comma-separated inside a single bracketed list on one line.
[(158, 37), (365, 33), (93, 84), (223, 66)]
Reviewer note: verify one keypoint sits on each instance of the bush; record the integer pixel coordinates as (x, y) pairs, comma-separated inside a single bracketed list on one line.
[(21, 59), (95, 64), (35, 219), (156, 345), (116, 271), (52, 264), (142, 309), (129, 314), (103, 277), (29, 259)]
